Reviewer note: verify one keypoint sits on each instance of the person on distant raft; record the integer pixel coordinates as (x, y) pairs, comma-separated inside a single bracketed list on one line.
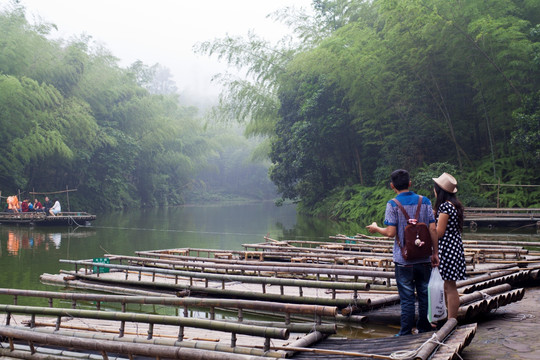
[(56, 208), (449, 229), (47, 205), (13, 203), (411, 275), (24, 206), (37, 206)]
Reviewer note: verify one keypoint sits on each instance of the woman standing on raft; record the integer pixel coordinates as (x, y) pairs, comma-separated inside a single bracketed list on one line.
[(449, 214)]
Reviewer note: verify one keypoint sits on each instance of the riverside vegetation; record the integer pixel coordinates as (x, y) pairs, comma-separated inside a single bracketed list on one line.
[(362, 88), (426, 85)]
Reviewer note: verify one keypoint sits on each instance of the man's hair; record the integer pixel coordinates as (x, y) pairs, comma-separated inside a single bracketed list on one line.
[(400, 178)]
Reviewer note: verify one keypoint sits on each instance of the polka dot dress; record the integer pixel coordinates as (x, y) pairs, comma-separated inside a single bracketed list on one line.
[(451, 255)]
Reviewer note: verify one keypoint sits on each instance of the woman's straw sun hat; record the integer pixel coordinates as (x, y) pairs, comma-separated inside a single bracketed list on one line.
[(446, 182)]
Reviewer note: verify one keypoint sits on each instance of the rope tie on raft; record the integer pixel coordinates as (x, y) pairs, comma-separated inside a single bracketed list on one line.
[(411, 354)]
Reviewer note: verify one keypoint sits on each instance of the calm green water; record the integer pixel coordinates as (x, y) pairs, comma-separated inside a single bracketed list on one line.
[(27, 252)]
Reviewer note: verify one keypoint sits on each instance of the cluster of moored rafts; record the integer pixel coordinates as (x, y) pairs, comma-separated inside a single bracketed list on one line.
[(272, 299)]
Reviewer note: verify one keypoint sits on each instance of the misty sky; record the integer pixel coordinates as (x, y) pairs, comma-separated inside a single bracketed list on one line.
[(162, 31)]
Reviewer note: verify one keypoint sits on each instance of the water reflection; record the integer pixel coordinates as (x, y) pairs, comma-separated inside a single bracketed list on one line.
[(20, 239), (56, 239)]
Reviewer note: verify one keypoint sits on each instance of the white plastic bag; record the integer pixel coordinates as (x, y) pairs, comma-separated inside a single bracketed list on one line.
[(436, 301)]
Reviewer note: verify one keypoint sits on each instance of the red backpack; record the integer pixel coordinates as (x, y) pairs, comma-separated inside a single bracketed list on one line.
[(417, 242)]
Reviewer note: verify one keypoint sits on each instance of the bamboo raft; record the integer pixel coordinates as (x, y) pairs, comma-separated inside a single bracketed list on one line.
[(68, 333), (208, 303), (355, 287), (40, 218), (489, 217)]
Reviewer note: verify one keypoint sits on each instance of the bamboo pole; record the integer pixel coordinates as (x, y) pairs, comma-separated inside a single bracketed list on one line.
[(382, 240), (489, 276), (270, 250), (305, 309), (309, 267), (232, 278), (427, 349), (305, 341), (103, 346), (17, 353), (306, 268), (236, 293), (328, 329), (511, 278), (77, 284), (204, 345), (152, 319), (477, 295), (266, 267), (473, 309)]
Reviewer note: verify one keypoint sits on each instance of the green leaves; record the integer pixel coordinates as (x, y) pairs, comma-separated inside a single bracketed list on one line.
[(420, 82), (70, 116)]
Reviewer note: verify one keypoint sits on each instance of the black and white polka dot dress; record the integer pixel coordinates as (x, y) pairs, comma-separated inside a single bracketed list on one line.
[(451, 255)]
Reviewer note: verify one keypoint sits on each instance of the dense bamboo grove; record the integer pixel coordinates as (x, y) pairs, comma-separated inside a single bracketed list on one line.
[(71, 116), (363, 87), (427, 85)]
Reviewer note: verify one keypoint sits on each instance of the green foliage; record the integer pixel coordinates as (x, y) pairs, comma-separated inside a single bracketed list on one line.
[(354, 204), (70, 116), (231, 173), (526, 133), (422, 179), (429, 86)]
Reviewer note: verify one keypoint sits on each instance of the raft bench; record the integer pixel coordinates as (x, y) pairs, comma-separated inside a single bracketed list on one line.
[(253, 254), (223, 255)]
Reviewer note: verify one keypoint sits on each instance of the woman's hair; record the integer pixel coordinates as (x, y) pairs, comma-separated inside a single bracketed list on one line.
[(442, 197)]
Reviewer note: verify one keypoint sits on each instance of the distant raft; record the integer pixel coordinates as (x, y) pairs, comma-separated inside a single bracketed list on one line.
[(73, 218)]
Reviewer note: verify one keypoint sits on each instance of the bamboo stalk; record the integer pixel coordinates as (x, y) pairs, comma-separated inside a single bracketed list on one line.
[(76, 284), (296, 327), (173, 301), (305, 341), (512, 278), (152, 319), (478, 295), (427, 349), (17, 353), (231, 278), (485, 277), (270, 267), (205, 345), (121, 348), (237, 294)]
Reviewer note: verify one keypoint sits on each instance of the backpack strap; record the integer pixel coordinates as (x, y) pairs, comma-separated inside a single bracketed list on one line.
[(396, 201), (418, 208)]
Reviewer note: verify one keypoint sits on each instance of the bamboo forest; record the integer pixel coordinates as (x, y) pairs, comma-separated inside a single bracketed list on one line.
[(321, 117)]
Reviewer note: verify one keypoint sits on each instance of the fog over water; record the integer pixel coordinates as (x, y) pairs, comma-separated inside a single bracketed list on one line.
[(163, 31)]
